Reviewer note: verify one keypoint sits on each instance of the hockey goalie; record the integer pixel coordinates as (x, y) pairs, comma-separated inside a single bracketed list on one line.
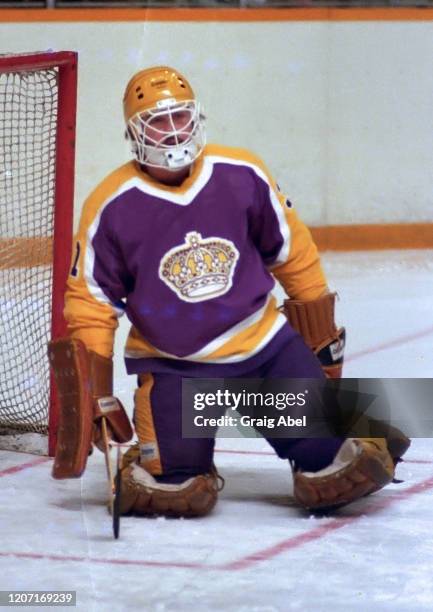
[(187, 239)]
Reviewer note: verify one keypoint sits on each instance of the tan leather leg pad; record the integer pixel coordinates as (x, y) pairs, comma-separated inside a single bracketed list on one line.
[(196, 497), (371, 470)]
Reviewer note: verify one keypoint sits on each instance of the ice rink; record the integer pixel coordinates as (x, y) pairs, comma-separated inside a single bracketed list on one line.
[(257, 551)]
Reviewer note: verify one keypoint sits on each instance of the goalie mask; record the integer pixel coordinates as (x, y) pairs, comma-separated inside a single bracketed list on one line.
[(163, 119)]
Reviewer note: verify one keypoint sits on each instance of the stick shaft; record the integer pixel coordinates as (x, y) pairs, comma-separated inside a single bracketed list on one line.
[(110, 478)]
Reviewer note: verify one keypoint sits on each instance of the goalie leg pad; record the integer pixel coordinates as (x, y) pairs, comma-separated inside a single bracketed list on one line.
[(397, 442), (362, 466), (141, 494)]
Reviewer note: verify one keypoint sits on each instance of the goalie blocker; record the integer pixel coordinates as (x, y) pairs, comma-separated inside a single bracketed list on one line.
[(314, 321), (84, 382)]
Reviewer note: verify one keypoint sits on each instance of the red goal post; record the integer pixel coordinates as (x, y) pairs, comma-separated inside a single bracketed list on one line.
[(38, 96)]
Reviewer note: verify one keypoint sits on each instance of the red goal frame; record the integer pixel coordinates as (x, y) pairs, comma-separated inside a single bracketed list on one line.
[(67, 64)]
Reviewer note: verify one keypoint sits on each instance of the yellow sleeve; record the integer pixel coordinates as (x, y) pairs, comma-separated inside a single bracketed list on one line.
[(301, 276), (88, 320), (298, 266), (92, 312)]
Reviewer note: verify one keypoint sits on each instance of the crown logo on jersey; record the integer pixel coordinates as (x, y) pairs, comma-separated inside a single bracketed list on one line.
[(199, 269)]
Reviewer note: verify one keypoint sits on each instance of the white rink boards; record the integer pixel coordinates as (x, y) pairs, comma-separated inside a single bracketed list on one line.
[(339, 111)]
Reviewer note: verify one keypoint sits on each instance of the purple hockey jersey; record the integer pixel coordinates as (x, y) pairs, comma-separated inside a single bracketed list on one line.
[(193, 266)]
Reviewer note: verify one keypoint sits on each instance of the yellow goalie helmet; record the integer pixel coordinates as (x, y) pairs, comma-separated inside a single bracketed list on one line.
[(163, 119)]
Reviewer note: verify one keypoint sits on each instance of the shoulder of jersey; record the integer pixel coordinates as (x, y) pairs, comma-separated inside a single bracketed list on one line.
[(114, 182), (234, 154)]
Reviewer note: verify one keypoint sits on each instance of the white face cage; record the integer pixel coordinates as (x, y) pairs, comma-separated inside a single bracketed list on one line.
[(170, 136)]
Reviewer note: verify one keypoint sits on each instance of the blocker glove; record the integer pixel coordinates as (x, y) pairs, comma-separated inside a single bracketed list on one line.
[(314, 321)]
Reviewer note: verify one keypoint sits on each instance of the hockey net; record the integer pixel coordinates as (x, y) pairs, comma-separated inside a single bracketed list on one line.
[(37, 122)]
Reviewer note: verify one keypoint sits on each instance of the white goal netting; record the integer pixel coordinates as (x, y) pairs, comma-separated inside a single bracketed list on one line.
[(28, 118)]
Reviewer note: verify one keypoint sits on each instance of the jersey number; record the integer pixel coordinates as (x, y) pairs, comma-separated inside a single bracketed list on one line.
[(74, 271)]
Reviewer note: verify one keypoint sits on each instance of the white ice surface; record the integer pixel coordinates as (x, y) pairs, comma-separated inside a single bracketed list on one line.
[(257, 551)]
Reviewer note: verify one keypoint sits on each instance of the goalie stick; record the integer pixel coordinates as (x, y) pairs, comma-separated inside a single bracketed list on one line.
[(113, 484), (116, 502)]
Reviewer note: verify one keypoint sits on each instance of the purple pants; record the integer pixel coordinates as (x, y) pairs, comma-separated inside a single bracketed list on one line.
[(180, 458)]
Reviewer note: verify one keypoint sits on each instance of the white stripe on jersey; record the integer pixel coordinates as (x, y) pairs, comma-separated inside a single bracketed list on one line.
[(201, 356)]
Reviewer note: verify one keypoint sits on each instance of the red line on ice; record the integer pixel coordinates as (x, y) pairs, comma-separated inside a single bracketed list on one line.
[(289, 544), (319, 532), (390, 344), (111, 561), (252, 559), (23, 466)]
